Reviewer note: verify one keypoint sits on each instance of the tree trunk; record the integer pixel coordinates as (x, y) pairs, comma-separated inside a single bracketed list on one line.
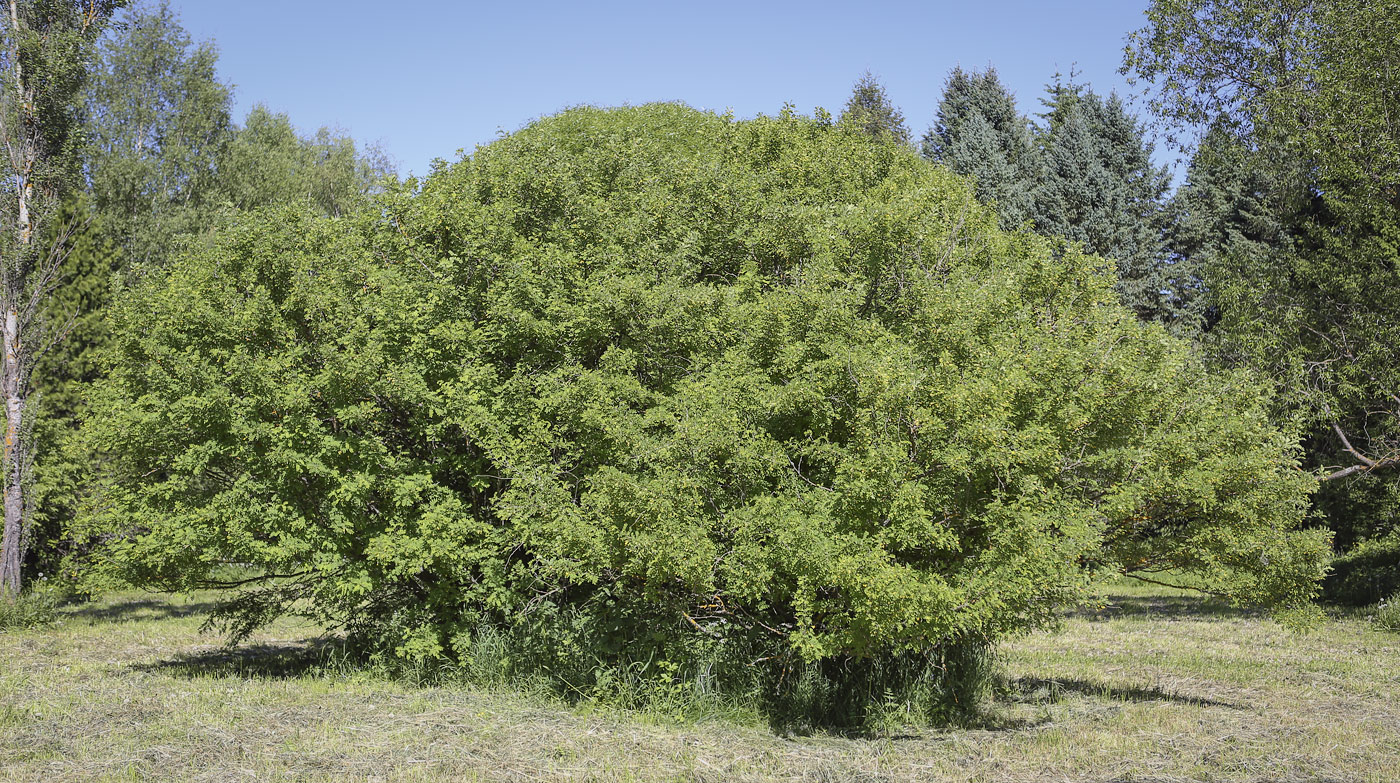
[(10, 557)]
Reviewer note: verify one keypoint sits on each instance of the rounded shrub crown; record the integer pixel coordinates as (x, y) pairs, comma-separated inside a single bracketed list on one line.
[(765, 383)]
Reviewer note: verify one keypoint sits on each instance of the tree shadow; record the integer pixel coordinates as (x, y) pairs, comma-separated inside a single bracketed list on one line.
[(1166, 607), (1040, 690), (275, 661), (142, 609)]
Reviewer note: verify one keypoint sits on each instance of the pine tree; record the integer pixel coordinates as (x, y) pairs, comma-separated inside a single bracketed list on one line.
[(870, 110), (979, 133)]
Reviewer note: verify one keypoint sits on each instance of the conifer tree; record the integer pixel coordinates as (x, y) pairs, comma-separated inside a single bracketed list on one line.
[(980, 133), (869, 109), (1220, 216), (1100, 187)]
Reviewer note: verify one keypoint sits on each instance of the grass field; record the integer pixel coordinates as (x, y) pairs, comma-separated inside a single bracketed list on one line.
[(1157, 686)]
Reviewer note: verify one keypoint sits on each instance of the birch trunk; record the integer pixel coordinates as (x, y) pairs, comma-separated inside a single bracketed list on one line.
[(14, 493)]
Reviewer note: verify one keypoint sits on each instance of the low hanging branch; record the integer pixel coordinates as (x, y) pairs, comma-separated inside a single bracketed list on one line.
[(1367, 465)]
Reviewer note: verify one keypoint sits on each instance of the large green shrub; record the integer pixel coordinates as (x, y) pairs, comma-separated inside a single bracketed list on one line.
[(655, 385)]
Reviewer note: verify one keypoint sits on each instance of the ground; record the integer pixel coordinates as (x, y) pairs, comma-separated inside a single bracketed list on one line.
[(1158, 685)]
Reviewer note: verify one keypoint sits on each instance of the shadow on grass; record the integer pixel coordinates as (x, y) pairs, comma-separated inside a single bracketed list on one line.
[(262, 661), (1039, 690), (1167, 607), (141, 609)]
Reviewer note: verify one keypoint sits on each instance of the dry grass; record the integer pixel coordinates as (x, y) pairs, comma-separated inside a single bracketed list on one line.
[(1157, 687)]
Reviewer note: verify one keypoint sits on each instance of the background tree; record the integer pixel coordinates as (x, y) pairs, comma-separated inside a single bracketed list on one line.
[(979, 133), (267, 163), (158, 127), (869, 109), (1099, 186), (1308, 91), (45, 55), (1222, 211)]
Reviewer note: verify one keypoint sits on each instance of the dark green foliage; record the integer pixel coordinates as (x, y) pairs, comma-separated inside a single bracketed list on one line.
[(649, 389), (1366, 575), (979, 133), (1099, 186), (869, 110), (1308, 92), (1221, 216), (63, 468)]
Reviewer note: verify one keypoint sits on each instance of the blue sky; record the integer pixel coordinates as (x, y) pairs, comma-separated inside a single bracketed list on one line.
[(425, 78)]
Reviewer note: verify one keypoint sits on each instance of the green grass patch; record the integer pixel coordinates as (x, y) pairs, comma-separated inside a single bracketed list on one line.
[(1158, 684)]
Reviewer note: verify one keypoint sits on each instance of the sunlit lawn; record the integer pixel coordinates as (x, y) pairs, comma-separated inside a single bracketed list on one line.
[(1157, 686)]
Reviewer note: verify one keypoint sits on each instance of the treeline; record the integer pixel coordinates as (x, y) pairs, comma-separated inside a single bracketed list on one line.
[(652, 396)]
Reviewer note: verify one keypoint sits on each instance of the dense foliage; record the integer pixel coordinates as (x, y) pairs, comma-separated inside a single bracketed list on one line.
[(1305, 273), (647, 379), (164, 162)]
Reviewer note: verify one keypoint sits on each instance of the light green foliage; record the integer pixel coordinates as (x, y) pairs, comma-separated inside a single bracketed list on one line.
[(1308, 91), (165, 158), (650, 384), (980, 133), (164, 164), (158, 124), (267, 163), (869, 110)]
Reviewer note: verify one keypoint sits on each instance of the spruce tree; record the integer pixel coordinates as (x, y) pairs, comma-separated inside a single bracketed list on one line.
[(869, 110), (1100, 187), (980, 133), (1220, 217)]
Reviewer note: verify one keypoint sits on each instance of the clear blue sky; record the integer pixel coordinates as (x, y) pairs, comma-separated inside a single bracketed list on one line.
[(425, 78)]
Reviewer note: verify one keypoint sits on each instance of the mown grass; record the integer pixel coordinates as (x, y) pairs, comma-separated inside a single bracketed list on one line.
[(1157, 685)]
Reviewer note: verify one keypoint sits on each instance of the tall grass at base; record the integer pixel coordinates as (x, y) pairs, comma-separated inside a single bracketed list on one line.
[(702, 678), (1387, 615), (33, 608)]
